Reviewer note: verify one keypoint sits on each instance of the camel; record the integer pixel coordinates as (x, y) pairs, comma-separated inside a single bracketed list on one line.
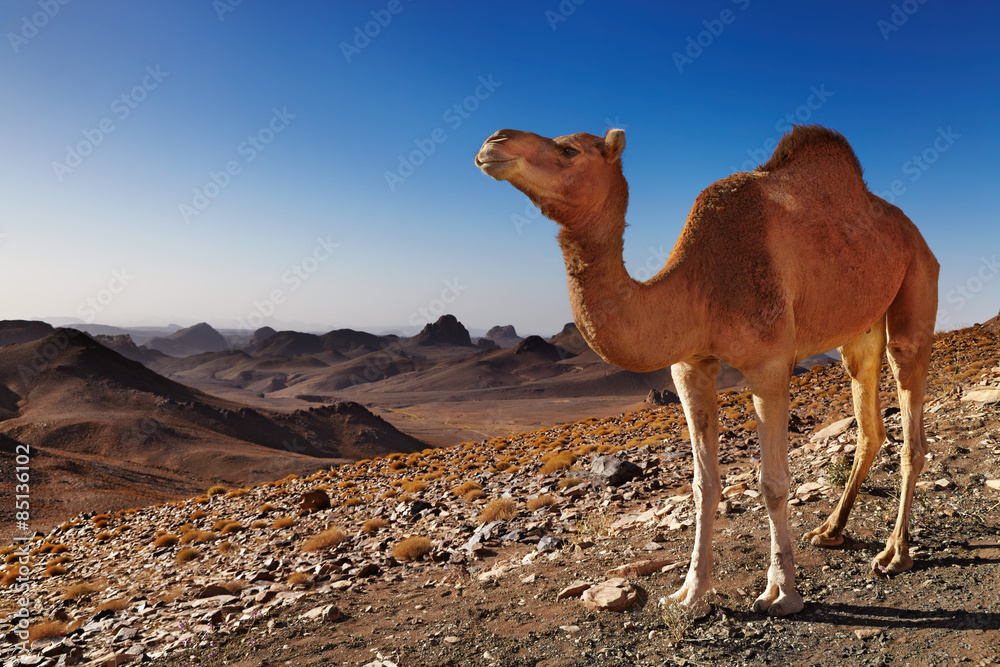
[(775, 265)]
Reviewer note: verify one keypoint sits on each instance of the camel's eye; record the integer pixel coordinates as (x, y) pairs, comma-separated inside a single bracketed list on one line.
[(569, 152)]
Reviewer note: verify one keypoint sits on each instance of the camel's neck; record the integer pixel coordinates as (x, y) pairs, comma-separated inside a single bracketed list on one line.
[(638, 326)]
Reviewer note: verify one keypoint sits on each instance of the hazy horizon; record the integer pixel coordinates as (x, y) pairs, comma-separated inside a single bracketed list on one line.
[(312, 163)]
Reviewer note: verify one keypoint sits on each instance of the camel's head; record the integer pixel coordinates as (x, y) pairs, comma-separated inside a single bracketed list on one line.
[(573, 178)]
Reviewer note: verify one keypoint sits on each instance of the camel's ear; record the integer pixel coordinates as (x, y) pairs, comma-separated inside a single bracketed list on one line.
[(614, 144)]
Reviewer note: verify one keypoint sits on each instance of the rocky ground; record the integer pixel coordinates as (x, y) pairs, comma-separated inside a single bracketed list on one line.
[(489, 553)]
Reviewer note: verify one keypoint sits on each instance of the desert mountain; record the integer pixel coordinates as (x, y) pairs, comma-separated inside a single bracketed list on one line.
[(195, 339), (505, 336), (102, 425), (447, 330), (125, 346), (22, 331), (259, 336)]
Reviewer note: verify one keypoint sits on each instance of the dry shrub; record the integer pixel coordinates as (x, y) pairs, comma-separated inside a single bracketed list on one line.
[(267, 507), (347, 484), (397, 465), (296, 578), (100, 517), (373, 525), (236, 493), (283, 522), (103, 537), (391, 493), (43, 629), (54, 570), (560, 461), (415, 487), (101, 524), (260, 523), (167, 540), (353, 501), (474, 495), (187, 554), (235, 586), (570, 482), (541, 501), (328, 539), (216, 490), (411, 548), (77, 591), (463, 488), (198, 514), (232, 527), (117, 604), (226, 547), (498, 509)]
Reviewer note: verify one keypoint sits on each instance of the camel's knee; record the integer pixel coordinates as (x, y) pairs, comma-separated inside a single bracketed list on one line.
[(707, 490), (775, 491)]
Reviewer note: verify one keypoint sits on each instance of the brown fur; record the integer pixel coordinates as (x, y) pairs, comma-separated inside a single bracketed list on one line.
[(773, 266)]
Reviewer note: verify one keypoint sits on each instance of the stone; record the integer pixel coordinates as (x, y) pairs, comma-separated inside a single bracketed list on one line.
[(212, 591), (613, 471), (867, 633), (993, 484), (638, 568), (313, 501), (451, 639), (548, 543), (988, 396), (833, 430), (943, 483), (734, 490), (611, 595), (573, 590), (327, 613)]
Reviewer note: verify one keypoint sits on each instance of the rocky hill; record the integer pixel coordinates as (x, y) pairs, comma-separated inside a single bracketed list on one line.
[(489, 553), (195, 339)]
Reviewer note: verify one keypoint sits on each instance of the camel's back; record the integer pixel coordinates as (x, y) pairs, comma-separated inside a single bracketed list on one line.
[(797, 239)]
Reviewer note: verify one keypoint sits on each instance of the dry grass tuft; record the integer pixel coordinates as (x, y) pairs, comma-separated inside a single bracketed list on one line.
[(296, 578), (43, 629), (328, 539), (198, 514), (414, 486), (560, 461), (411, 548), (216, 490), (462, 489), (570, 482), (284, 522), (373, 525), (117, 604), (188, 554), (541, 501), (474, 495), (498, 509), (226, 547), (167, 540), (77, 591), (54, 570)]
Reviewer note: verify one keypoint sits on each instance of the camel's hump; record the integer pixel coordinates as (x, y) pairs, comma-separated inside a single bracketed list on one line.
[(807, 142)]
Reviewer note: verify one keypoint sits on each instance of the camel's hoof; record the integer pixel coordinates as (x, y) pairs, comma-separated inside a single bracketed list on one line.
[(888, 565), (825, 537), (784, 605), (696, 607)]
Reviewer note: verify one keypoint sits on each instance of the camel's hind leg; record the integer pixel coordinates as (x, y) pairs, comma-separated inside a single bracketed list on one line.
[(863, 361), (910, 325), (695, 384)]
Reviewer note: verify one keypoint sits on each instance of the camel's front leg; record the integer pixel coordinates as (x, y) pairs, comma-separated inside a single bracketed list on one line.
[(771, 402), (695, 382)]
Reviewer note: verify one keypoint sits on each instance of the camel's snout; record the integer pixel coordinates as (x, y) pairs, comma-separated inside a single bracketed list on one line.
[(493, 159)]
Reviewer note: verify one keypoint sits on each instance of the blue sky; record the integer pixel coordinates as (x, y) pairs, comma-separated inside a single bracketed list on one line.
[(227, 162)]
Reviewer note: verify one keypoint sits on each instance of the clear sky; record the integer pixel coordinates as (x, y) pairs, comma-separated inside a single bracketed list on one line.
[(227, 161)]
